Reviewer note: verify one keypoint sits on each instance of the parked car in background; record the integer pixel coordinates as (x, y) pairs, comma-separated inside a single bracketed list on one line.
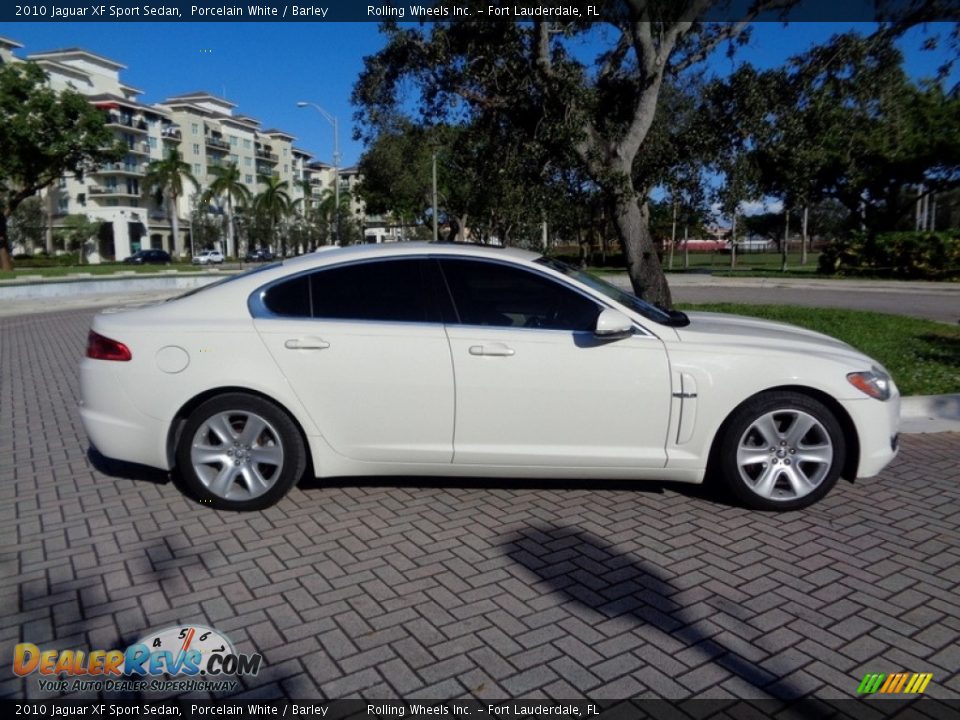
[(208, 257), (453, 360), (148, 257), (258, 255)]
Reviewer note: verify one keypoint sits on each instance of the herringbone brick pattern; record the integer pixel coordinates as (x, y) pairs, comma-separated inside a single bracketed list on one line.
[(416, 589)]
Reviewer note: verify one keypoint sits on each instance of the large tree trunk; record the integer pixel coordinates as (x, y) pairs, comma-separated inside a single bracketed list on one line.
[(6, 261), (632, 221)]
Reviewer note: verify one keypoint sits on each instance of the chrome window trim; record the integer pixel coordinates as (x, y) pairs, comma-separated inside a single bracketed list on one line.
[(259, 311)]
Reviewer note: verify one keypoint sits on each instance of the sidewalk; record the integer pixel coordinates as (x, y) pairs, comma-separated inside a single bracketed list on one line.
[(930, 414), (696, 279)]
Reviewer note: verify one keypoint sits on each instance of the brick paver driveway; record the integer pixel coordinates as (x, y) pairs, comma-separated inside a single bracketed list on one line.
[(416, 589)]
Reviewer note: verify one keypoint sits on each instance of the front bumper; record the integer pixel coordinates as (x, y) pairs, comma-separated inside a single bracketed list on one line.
[(878, 428)]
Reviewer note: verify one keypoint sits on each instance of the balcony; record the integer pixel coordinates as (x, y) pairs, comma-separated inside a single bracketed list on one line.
[(123, 121), (171, 133), (215, 142), (108, 191), (119, 168), (140, 148)]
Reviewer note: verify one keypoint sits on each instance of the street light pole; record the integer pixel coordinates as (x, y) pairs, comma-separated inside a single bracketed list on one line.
[(332, 119)]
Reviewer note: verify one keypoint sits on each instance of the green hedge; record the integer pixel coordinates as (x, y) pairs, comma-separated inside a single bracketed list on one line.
[(24, 260), (908, 255)]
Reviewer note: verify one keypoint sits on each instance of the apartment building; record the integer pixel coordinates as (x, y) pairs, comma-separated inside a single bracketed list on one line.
[(203, 127)]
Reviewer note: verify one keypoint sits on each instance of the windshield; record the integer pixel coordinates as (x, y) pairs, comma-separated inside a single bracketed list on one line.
[(225, 280), (647, 310)]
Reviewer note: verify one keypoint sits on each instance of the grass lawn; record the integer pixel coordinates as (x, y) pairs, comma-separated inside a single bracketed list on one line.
[(922, 355), (95, 270), (747, 263)]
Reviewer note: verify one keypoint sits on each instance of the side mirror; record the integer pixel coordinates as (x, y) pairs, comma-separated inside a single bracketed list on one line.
[(613, 325)]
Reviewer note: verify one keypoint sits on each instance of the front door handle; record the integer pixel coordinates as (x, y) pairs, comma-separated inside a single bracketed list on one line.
[(307, 343), (492, 350)]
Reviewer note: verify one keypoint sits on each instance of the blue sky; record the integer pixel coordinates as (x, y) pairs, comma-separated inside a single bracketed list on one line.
[(267, 67)]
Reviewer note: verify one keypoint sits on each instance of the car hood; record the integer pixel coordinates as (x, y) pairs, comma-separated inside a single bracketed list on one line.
[(740, 331)]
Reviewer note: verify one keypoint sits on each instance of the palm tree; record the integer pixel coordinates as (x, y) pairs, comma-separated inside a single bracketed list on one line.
[(167, 176), (275, 204), (228, 185), (327, 206), (308, 211)]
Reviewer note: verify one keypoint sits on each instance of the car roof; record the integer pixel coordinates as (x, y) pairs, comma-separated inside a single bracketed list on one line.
[(220, 296), (334, 254)]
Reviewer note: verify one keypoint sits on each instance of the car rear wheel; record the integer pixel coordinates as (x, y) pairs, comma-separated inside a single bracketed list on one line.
[(781, 451), (240, 452)]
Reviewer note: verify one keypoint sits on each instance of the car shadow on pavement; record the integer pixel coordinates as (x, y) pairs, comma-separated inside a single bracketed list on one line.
[(616, 584), (126, 470), (478, 483)]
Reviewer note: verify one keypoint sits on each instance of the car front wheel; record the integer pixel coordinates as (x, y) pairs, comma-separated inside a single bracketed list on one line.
[(240, 452), (781, 451)]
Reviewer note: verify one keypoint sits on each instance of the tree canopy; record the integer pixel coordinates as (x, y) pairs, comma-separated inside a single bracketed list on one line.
[(44, 135)]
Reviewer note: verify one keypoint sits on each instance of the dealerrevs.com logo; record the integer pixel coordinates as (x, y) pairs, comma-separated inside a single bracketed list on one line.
[(187, 652)]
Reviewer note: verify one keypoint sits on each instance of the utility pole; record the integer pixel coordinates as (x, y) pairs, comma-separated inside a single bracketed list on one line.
[(434, 172)]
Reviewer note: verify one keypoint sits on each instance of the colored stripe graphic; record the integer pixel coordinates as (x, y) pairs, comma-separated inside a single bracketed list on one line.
[(870, 683), (897, 683)]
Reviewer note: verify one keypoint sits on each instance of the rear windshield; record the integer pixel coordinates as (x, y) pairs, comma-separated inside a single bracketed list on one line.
[(224, 281)]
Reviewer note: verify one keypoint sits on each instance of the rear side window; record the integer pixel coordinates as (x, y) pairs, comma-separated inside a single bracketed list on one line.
[(386, 291), (290, 298), (403, 290)]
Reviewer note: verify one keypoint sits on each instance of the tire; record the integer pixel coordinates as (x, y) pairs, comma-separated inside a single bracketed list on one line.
[(240, 452), (781, 451)]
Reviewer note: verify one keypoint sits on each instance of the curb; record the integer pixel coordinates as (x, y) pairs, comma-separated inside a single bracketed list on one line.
[(930, 413)]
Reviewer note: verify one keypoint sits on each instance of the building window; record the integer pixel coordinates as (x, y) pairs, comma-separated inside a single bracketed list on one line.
[(195, 128), (286, 168), (63, 204), (234, 159), (246, 162), (196, 169), (246, 143), (196, 148), (249, 179), (153, 142), (82, 200), (284, 152), (233, 140)]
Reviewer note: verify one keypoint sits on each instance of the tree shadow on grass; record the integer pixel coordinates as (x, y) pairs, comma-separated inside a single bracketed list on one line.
[(942, 349)]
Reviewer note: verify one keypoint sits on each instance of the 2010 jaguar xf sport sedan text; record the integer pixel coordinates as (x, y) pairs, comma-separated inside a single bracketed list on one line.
[(453, 360)]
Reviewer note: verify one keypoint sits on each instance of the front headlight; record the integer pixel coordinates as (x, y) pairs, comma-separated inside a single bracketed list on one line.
[(874, 383)]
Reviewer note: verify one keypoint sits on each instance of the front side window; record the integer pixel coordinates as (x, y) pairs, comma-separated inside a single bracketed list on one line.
[(491, 293), (651, 312)]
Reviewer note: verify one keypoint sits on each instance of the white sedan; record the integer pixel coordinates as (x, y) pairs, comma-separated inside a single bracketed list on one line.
[(454, 360), (208, 257)]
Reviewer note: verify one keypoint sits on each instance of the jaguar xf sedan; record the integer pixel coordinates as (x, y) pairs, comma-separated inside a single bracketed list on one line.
[(454, 360)]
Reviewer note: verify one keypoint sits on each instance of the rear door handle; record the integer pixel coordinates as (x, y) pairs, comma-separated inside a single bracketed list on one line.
[(492, 350), (307, 343)]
